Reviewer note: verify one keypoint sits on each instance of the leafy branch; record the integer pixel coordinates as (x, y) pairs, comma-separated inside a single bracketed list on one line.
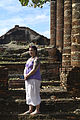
[(33, 3)]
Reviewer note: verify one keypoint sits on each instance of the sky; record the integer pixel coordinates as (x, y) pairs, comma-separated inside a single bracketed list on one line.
[(13, 13)]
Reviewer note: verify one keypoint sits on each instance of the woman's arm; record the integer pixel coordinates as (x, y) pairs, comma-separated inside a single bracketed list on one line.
[(34, 69), (25, 73)]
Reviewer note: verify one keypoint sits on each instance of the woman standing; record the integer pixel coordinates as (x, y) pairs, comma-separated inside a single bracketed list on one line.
[(32, 81)]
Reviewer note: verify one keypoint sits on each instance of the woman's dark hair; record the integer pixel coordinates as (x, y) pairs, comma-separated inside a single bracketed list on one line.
[(34, 47)]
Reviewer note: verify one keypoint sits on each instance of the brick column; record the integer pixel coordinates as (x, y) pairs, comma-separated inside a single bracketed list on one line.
[(75, 46), (53, 23), (59, 24), (66, 57)]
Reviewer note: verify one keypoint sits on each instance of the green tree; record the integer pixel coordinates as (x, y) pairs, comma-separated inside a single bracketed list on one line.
[(34, 3)]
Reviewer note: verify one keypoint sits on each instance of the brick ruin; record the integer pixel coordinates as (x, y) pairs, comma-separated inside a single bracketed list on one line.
[(14, 53), (23, 35), (57, 102), (3, 79), (65, 35)]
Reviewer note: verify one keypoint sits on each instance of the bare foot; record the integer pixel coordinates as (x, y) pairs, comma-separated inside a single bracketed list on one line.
[(27, 112), (35, 112)]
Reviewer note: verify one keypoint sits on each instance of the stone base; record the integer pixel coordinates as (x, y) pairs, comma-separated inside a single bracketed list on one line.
[(70, 80)]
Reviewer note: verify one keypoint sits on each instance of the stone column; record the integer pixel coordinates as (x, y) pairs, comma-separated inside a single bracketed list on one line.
[(66, 57), (53, 23), (59, 24), (75, 38)]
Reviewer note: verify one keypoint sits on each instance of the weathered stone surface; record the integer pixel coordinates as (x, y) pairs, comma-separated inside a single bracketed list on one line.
[(53, 52), (76, 23), (76, 1), (76, 54), (23, 35), (73, 81), (67, 33), (64, 107), (67, 30), (75, 47), (59, 25), (75, 62), (66, 64), (75, 39), (52, 23), (67, 44), (76, 14), (49, 71), (3, 78), (71, 51), (76, 30), (65, 57)]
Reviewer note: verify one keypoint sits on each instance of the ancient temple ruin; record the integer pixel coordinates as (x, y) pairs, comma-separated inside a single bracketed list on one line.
[(60, 101), (65, 35)]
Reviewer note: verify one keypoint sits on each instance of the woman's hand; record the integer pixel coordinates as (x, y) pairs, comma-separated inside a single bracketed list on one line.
[(26, 77)]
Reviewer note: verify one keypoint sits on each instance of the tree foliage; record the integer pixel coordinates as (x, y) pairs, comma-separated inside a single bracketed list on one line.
[(33, 3)]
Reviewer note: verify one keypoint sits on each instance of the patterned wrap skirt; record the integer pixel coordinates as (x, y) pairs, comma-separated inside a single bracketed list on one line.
[(32, 87)]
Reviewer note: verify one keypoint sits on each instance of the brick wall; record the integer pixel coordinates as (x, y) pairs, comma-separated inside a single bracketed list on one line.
[(49, 72), (3, 78)]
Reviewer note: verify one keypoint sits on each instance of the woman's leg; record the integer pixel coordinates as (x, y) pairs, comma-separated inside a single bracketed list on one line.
[(30, 108), (29, 111), (36, 110)]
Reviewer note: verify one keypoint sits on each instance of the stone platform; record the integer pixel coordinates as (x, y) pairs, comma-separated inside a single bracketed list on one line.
[(56, 104)]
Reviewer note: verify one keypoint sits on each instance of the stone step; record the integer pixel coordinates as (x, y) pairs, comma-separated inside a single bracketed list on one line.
[(20, 83), (51, 116), (55, 103), (46, 92), (42, 116), (50, 104), (14, 104), (46, 114)]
